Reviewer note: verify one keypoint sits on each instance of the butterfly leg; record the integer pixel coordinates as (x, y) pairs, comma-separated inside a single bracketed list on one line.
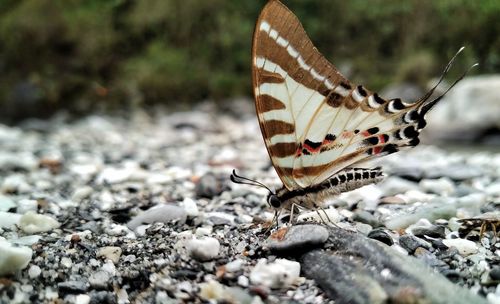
[(275, 218)]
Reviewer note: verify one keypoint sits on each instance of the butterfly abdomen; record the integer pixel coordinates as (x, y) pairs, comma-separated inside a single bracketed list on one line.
[(312, 197)]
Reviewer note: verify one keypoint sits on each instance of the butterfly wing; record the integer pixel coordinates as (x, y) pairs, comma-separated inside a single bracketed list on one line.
[(314, 121)]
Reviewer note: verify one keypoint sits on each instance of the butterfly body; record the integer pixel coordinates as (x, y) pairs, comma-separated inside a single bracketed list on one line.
[(312, 197)]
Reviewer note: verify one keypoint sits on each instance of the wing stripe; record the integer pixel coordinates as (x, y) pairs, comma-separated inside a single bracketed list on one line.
[(269, 103), (283, 149)]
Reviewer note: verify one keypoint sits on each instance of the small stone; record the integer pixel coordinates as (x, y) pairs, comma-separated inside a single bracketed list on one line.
[(220, 218), (115, 175), (165, 213), (190, 207), (381, 235), (243, 281), (465, 247), (212, 290), (72, 287), (34, 271), (208, 186), (203, 231), (279, 274), (6, 203), (234, 266), (82, 299), (15, 184), (366, 217), (81, 193), (203, 249), (66, 262), (434, 231), (443, 186), (395, 185), (26, 205), (32, 222), (110, 253), (9, 219), (298, 237), (100, 279), (13, 258), (495, 273), (410, 243), (392, 200)]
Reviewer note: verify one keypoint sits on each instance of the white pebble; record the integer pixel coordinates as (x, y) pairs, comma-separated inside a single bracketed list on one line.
[(8, 219), (31, 222), (203, 231), (34, 271), (13, 258), (190, 207), (81, 193), (82, 299), (110, 253), (465, 247), (66, 262), (234, 266), (280, 273), (203, 249), (444, 185), (6, 203), (243, 281), (26, 205)]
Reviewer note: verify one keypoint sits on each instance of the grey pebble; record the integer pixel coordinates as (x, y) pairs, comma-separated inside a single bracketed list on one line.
[(75, 287), (299, 237), (100, 279), (165, 213), (98, 297), (381, 235), (410, 243), (366, 217), (495, 273), (208, 186), (434, 231)]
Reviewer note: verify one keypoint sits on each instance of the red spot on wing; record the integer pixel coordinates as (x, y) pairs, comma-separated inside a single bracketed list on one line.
[(377, 150), (381, 139), (365, 133)]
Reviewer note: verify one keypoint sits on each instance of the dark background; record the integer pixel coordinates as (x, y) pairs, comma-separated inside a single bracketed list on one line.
[(87, 56)]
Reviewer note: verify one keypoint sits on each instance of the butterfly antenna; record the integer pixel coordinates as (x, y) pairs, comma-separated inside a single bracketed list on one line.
[(238, 179), (445, 71), (427, 106)]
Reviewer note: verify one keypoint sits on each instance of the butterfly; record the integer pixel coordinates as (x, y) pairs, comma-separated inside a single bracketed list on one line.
[(319, 128)]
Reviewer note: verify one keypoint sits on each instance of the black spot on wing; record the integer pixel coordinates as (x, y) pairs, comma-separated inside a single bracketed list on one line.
[(397, 104), (373, 130), (362, 91), (378, 99), (372, 140), (312, 144), (389, 148), (330, 137), (345, 85), (410, 132), (414, 142)]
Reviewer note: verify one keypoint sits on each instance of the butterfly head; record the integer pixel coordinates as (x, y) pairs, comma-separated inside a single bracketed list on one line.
[(272, 199)]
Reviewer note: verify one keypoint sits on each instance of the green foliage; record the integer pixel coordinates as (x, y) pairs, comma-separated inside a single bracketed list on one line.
[(81, 54)]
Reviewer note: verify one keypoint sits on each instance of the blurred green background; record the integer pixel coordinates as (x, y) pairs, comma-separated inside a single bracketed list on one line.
[(85, 56)]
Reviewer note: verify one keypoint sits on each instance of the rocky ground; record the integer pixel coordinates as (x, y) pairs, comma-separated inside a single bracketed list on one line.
[(141, 210)]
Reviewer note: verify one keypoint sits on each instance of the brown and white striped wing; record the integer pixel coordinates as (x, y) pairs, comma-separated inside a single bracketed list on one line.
[(313, 120)]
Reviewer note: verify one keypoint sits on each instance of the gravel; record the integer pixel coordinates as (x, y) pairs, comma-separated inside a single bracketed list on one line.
[(114, 210)]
